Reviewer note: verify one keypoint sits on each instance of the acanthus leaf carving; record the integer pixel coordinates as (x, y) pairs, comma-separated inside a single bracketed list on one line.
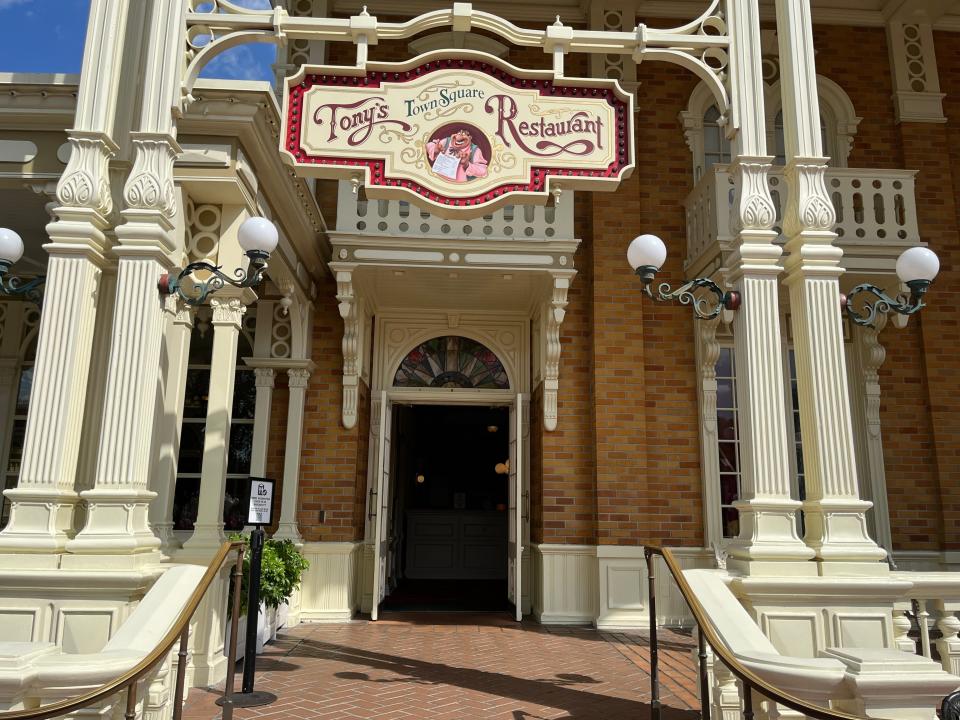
[(85, 181), (753, 207), (150, 185), (227, 311), (809, 208)]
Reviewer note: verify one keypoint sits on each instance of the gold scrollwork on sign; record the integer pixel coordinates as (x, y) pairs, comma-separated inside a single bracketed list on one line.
[(416, 155), (409, 137), (543, 112), (500, 159)]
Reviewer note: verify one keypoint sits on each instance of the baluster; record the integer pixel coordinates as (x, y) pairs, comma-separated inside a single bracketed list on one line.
[(726, 697), (949, 644), (920, 610), (901, 629)]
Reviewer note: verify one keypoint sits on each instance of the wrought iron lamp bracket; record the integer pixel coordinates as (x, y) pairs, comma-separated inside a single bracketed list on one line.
[(13, 286), (885, 303), (252, 276), (704, 308)]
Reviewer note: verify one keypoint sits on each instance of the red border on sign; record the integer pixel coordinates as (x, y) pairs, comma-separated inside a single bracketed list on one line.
[(377, 177)]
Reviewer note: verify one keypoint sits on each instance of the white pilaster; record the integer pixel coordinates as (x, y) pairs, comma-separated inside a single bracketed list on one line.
[(768, 536), (261, 420), (298, 380), (913, 68), (208, 529), (169, 420), (835, 516)]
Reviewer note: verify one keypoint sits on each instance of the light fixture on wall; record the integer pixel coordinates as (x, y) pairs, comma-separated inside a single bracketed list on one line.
[(11, 250), (421, 479), (646, 256), (492, 428), (916, 268), (502, 468), (257, 237)]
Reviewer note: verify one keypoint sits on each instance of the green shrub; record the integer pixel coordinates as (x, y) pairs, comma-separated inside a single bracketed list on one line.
[(281, 570)]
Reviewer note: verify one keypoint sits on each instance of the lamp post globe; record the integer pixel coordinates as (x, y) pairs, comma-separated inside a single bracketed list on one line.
[(258, 235), (918, 263), (646, 252), (11, 247)]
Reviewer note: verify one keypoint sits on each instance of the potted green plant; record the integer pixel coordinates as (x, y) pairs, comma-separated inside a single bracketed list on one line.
[(281, 571)]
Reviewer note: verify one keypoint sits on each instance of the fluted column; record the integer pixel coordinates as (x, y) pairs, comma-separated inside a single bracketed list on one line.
[(298, 380), (169, 420), (261, 420), (208, 529), (768, 542), (835, 516)]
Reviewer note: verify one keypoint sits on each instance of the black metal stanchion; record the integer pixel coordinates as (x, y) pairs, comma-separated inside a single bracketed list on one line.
[(259, 514)]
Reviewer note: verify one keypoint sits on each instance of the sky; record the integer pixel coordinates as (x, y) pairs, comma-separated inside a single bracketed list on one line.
[(46, 36)]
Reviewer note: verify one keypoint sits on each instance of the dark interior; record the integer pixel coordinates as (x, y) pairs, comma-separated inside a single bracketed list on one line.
[(449, 509)]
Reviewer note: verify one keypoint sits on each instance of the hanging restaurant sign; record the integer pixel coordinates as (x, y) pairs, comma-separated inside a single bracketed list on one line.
[(458, 132)]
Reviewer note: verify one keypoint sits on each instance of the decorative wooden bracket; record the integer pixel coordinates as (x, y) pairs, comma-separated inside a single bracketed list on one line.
[(351, 345), (554, 313)]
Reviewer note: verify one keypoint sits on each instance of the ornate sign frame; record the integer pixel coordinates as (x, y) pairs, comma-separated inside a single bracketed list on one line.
[(542, 133)]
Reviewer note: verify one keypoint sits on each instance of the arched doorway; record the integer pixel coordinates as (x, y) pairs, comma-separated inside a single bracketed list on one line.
[(448, 490)]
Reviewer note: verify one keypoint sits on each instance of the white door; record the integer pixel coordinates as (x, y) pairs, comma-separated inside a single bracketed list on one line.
[(381, 504), (515, 519)]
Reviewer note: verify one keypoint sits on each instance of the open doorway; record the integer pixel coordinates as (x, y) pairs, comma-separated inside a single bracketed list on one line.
[(449, 509)]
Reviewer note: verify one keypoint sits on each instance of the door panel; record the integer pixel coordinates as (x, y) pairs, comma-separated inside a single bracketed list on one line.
[(381, 540)]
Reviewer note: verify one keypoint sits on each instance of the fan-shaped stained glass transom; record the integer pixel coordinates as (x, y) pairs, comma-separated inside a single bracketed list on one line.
[(451, 361)]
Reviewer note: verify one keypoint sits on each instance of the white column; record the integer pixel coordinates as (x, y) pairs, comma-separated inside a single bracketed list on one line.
[(298, 379), (261, 420), (835, 516), (768, 542), (43, 502), (169, 420), (208, 529)]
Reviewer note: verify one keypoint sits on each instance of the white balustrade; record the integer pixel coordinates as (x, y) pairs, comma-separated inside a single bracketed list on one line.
[(934, 600), (398, 218), (874, 207)]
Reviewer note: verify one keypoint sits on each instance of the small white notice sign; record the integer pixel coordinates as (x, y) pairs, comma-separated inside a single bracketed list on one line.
[(260, 511), (446, 165)]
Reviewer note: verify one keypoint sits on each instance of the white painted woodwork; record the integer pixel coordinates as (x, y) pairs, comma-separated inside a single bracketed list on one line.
[(297, 381), (263, 408), (515, 486), (398, 219), (835, 516), (381, 503), (913, 69), (42, 503), (331, 585), (876, 214), (768, 535), (169, 420), (208, 529)]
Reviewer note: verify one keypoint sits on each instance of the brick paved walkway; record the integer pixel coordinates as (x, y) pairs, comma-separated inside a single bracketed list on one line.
[(463, 667)]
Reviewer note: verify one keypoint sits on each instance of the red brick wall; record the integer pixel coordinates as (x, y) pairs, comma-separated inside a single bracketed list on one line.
[(623, 466)]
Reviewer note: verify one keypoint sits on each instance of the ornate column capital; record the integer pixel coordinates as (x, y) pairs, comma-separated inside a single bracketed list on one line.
[(298, 377), (264, 377), (809, 208), (227, 311)]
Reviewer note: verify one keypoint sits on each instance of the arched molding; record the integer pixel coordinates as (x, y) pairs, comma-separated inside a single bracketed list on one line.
[(836, 110), (836, 107), (487, 340), (398, 334)]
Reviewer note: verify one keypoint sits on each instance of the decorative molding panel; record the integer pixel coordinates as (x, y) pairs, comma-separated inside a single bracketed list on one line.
[(328, 592), (567, 580)]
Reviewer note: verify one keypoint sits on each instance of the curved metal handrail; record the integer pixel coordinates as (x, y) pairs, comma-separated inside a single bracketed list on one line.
[(751, 681), (180, 629)]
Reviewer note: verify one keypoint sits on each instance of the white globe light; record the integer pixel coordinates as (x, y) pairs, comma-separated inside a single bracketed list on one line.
[(11, 246), (258, 234), (918, 263), (646, 251)]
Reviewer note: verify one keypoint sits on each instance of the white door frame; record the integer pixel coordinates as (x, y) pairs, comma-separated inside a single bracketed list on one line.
[(453, 397)]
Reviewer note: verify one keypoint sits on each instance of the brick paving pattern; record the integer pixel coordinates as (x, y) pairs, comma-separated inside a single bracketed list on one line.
[(463, 667)]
